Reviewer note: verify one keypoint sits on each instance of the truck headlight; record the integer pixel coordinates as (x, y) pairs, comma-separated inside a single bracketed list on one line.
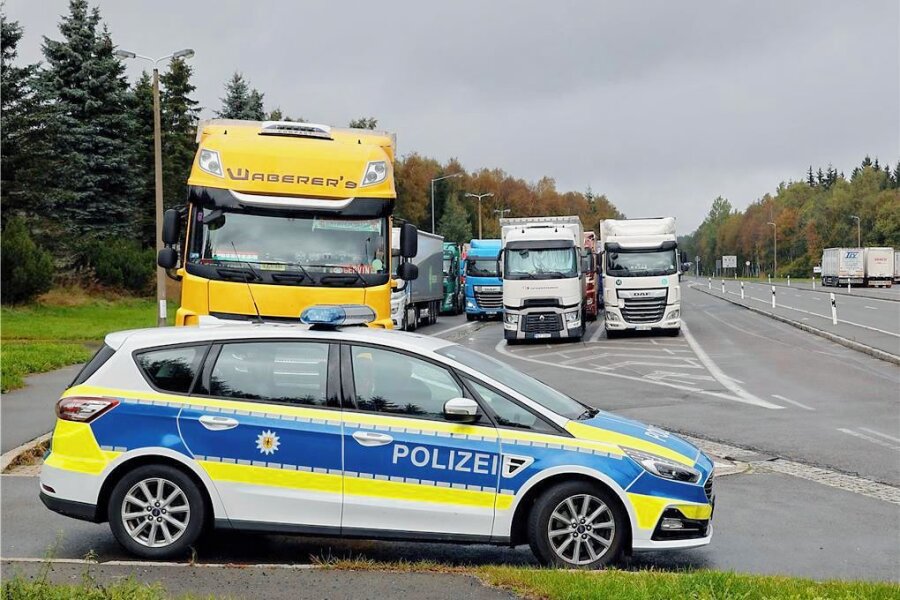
[(673, 315), (376, 172), (611, 316), (511, 318), (573, 316), (663, 467), (209, 162)]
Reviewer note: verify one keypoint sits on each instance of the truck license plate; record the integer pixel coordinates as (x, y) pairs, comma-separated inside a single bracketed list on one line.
[(643, 328), (490, 288), (541, 335)]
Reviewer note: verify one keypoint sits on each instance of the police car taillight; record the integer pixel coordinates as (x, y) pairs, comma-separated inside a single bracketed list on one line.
[(83, 409), (337, 315)]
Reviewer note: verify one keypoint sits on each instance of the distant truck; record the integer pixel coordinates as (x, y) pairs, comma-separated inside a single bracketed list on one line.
[(896, 267), (640, 270), (879, 267), (454, 298), (842, 266), (483, 285), (413, 302), (543, 283), (591, 278)]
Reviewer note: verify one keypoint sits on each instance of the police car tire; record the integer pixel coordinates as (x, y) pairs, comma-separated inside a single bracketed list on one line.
[(544, 506), (195, 501)]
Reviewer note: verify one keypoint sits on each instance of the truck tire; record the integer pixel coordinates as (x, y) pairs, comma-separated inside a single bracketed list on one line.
[(433, 312), (673, 332), (612, 334), (470, 317), (412, 319)]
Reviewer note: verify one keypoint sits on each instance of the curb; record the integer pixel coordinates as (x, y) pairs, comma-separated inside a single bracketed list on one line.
[(853, 345), (8, 457)]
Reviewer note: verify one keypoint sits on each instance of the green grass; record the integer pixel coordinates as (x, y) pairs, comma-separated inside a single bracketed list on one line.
[(19, 588), (41, 337)]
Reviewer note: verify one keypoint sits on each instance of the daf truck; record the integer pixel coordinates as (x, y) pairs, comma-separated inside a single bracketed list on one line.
[(418, 301), (879, 267), (281, 216), (843, 266), (543, 283), (640, 271), (483, 285)]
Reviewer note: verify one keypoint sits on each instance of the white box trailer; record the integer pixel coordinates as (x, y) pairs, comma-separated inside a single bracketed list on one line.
[(841, 266), (896, 267), (879, 266), (420, 299)]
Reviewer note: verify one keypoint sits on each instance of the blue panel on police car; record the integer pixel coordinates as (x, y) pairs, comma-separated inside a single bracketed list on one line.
[(131, 425)]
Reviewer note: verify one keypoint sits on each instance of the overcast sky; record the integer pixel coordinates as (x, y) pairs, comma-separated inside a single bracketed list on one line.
[(660, 105)]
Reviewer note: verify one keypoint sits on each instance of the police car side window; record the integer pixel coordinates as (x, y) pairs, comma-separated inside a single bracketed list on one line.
[(509, 414), (396, 383), (284, 372), (171, 369)]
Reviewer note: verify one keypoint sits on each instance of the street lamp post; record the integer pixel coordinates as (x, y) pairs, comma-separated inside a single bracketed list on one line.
[(432, 194), (500, 212), (775, 242), (858, 236), (479, 196), (157, 167)]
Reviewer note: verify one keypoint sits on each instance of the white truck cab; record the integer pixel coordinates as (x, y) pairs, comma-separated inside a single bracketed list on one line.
[(640, 270), (543, 286)]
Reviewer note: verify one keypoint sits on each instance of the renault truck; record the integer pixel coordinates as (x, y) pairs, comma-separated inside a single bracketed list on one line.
[(543, 283), (640, 271), (483, 285), (283, 215), (419, 301)]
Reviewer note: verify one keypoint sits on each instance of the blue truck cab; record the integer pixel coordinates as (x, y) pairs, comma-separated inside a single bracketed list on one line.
[(484, 287)]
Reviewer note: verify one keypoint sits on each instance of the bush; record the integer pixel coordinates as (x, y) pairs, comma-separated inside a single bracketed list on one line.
[(120, 263), (26, 269)]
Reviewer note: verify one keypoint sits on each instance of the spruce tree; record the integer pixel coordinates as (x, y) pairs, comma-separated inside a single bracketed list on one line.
[(255, 110), (454, 224), (179, 126), (363, 123), (240, 101), (144, 199), (810, 177)]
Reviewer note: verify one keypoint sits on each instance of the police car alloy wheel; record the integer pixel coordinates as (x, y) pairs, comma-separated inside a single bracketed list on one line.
[(577, 525), (156, 511)]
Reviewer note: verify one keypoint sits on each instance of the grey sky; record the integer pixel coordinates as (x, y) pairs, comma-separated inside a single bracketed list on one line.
[(660, 105)]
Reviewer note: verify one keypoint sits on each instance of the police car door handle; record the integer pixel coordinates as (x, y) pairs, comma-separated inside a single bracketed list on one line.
[(214, 423), (372, 438)]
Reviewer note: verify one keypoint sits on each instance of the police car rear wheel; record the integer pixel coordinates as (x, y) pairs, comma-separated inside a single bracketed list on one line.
[(576, 525), (156, 511)]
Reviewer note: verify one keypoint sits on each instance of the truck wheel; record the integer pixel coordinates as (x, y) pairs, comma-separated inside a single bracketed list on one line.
[(612, 334), (156, 511), (412, 319), (577, 525), (433, 314), (470, 317), (673, 332)]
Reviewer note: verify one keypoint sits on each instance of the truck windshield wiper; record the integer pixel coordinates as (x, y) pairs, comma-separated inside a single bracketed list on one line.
[(549, 275)]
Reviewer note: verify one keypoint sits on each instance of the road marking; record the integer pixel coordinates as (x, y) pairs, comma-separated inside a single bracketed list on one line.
[(794, 402), (869, 438), (455, 327), (878, 433), (871, 308), (601, 327)]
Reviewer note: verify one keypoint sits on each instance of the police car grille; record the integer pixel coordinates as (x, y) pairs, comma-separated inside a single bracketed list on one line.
[(644, 310), (551, 323), (708, 488), (489, 299)]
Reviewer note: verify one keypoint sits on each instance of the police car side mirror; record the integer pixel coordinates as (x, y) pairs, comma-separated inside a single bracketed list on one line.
[(461, 409)]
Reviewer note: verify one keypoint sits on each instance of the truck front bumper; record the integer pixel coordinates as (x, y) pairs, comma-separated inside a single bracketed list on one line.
[(542, 323), (671, 320)]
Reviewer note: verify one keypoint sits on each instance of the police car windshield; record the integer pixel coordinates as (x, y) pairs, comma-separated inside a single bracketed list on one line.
[(529, 387)]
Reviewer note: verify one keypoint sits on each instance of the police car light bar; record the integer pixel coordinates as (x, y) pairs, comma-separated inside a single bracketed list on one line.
[(337, 315)]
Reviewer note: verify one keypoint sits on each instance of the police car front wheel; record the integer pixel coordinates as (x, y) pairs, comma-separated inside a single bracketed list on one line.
[(156, 511), (577, 525)]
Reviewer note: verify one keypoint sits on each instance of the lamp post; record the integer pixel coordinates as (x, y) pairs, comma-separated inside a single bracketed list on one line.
[(858, 236), (500, 212), (432, 194), (479, 196), (775, 241), (157, 167)]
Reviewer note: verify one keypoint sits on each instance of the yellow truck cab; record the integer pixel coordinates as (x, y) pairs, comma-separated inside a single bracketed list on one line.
[(284, 215)]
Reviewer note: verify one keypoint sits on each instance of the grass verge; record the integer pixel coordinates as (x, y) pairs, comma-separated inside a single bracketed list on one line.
[(19, 588)]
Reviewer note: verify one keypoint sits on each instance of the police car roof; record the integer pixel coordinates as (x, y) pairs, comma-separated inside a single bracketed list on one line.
[(162, 336)]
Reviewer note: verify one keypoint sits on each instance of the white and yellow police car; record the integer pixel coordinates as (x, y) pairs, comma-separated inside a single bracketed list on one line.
[(333, 430)]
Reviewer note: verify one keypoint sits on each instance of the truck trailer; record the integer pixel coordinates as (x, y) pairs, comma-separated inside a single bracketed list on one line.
[(543, 283), (879, 267), (640, 270), (417, 301), (483, 285), (842, 266), (896, 267)]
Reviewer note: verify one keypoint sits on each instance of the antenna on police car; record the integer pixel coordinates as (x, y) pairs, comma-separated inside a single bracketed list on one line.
[(259, 318)]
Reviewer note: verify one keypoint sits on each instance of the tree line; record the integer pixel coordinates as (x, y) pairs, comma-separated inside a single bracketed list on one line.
[(810, 214)]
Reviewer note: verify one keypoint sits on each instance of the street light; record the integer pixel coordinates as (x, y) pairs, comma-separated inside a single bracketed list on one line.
[(479, 196), (157, 166), (501, 212), (432, 194), (858, 237), (775, 241)]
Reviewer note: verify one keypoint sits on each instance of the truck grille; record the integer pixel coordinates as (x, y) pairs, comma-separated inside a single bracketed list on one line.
[(644, 310), (542, 323), (489, 299), (708, 487)]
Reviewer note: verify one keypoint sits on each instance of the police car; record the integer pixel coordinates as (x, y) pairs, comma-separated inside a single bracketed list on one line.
[(330, 429)]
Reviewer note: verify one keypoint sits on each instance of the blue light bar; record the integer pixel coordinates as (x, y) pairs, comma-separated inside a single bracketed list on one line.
[(337, 315)]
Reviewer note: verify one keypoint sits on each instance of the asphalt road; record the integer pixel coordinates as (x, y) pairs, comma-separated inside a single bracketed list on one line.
[(28, 413)]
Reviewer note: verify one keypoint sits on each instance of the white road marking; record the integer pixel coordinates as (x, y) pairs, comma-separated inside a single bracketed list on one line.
[(455, 327), (878, 433), (869, 438), (871, 308), (601, 327), (794, 402)]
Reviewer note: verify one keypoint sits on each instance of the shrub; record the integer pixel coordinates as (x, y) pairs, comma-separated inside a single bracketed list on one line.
[(26, 269), (120, 263)]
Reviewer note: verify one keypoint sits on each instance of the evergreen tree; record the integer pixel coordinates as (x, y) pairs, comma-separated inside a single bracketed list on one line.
[(240, 101), (810, 178), (90, 185), (144, 199), (897, 175), (179, 125), (364, 123), (255, 109), (820, 177), (454, 224)]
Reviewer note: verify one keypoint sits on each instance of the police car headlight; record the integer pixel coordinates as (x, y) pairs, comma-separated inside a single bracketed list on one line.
[(663, 467), (376, 172), (210, 163)]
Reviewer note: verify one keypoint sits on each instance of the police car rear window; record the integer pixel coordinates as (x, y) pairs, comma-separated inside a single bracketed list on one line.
[(102, 355), (171, 369)]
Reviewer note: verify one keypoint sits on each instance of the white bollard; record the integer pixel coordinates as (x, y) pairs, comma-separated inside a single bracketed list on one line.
[(723, 286), (848, 287), (833, 310), (814, 282), (773, 296), (789, 281), (742, 290), (710, 283), (770, 278)]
